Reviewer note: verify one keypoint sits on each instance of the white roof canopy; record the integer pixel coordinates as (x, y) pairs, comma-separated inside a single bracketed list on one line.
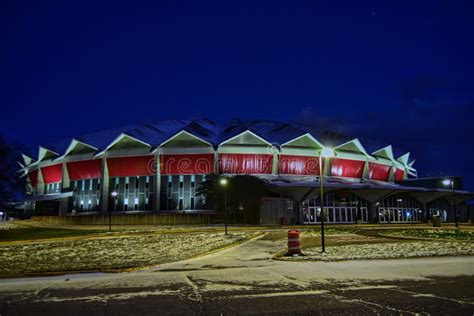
[(27, 159), (404, 159), (245, 138), (124, 141), (185, 139), (77, 147), (304, 141), (44, 153), (353, 145), (385, 152)]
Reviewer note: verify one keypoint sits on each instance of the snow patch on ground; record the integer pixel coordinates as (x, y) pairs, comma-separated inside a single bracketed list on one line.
[(110, 253), (388, 251), (451, 234)]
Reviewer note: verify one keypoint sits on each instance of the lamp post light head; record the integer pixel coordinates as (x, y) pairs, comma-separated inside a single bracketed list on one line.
[(447, 181), (223, 181)]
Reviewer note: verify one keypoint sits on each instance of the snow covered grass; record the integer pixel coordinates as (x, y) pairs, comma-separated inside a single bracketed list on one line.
[(388, 250), (451, 234), (110, 253)]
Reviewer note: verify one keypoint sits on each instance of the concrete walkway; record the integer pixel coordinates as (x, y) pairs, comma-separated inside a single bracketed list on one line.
[(245, 279)]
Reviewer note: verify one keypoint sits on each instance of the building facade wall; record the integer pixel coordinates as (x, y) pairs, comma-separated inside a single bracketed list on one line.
[(178, 192), (167, 177)]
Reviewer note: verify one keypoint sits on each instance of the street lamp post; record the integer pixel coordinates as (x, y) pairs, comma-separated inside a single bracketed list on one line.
[(326, 152), (321, 191), (115, 196), (224, 182), (453, 206)]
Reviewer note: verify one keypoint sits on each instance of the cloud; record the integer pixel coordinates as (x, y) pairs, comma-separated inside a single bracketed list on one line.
[(433, 120), (430, 111), (342, 125)]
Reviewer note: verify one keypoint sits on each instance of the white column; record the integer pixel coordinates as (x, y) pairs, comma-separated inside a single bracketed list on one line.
[(104, 187)]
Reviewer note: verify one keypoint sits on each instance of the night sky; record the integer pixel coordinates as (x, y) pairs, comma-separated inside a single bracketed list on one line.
[(401, 71)]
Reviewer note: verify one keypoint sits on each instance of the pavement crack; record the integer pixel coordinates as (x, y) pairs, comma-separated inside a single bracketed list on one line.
[(38, 294), (195, 296), (416, 294), (372, 304), (279, 294)]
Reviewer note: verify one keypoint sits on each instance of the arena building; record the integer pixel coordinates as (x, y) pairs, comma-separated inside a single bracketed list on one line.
[(157, 167)]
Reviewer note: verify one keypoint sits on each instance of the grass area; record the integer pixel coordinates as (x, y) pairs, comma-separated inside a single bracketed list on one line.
[(332, 231), (18, 233), (276, 235), (102, 254), (339, 240), (449, 234)]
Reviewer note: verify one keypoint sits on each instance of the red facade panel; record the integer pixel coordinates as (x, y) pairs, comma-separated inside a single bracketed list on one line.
[(379, 171), (187, 164), (85, 169), (399, 173), (52, 174), (131, 166), (347, 168), (33, 176), (298, 165), (246, 163)]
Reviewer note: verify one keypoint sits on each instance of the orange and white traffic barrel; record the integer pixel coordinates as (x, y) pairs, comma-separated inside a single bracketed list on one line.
[(294, 245)]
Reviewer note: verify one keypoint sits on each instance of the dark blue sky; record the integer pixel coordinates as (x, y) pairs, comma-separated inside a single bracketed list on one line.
[(399, 71)]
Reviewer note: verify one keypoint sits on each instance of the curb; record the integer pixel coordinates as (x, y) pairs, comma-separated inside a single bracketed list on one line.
[(374, 259)]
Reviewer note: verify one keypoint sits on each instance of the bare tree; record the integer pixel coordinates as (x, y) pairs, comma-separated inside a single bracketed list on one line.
[(11, 185)]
